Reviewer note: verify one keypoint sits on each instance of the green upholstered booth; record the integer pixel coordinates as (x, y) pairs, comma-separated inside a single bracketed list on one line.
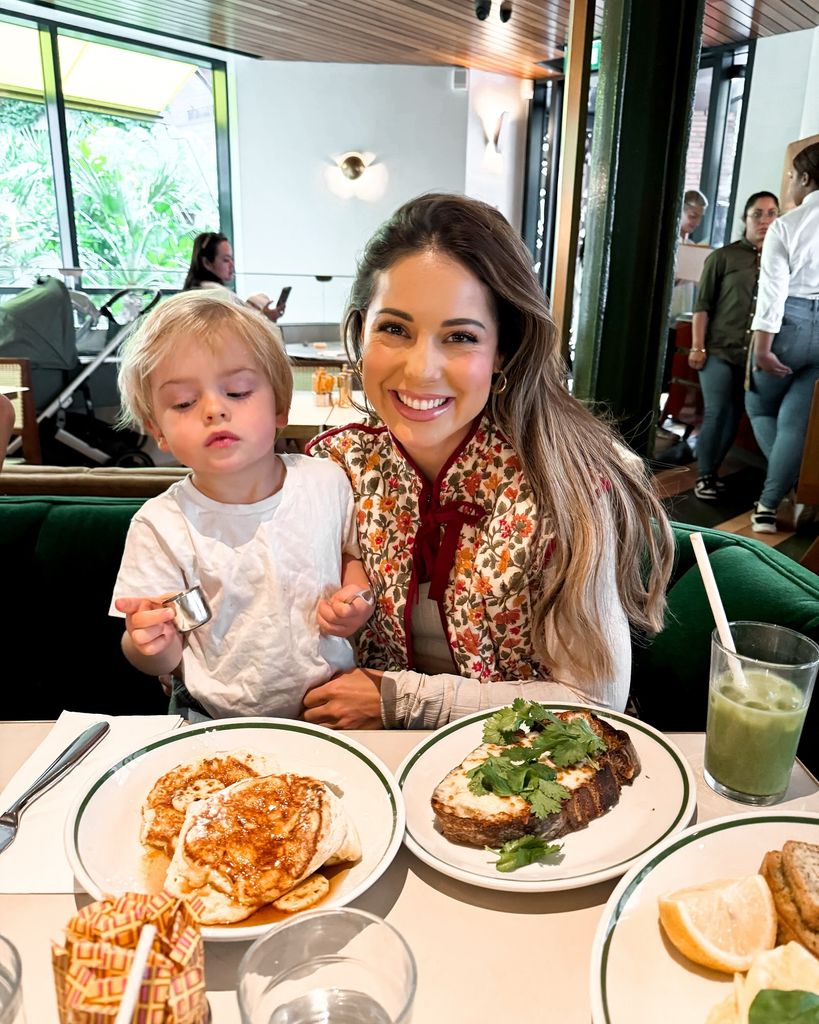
[(60, 555), (59, 559), (670, 673)]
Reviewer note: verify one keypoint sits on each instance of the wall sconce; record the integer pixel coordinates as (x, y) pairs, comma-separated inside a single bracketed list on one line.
[(356, 174), (493, 132), (352, 166)]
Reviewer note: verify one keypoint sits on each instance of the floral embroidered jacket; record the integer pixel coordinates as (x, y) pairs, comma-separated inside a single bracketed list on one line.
[(469, 534)]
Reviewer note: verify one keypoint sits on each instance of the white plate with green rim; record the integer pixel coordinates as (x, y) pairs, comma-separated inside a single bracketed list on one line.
[(637, 976), (102, 829), (660, 802)]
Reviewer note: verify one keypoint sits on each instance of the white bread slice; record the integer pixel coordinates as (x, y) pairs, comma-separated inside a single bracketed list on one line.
[(800, 865)]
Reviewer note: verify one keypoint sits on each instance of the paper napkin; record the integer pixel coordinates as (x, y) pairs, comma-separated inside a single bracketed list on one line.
[(36, 861)]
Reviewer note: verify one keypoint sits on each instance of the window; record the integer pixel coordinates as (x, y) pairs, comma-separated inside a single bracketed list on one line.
[(716, 129), (135, 131), (29, 238)]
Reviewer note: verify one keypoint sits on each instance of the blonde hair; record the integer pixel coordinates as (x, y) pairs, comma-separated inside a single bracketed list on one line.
[(206, 315), (569, 457)]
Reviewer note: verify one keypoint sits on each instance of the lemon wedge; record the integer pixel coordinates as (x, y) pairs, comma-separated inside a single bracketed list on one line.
[(721, 924)]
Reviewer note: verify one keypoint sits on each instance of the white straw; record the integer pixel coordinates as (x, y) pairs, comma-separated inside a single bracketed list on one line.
[(717, 609), (136, 974)]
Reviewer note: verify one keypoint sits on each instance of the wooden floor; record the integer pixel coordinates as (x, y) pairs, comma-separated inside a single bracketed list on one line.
[(743, 475)]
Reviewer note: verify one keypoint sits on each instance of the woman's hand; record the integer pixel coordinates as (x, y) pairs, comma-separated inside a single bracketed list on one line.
[(769, 363), (696, 358), (350, 700)]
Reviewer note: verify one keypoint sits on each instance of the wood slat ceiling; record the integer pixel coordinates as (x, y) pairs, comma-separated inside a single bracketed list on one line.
[(437, 32)]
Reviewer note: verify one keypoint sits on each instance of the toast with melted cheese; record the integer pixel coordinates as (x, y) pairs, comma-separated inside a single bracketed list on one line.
[(491, 820)]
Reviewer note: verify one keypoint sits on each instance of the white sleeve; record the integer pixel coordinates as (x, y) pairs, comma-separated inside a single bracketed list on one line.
[(411, 700), (774, 281), (147, 569), (349, 537)]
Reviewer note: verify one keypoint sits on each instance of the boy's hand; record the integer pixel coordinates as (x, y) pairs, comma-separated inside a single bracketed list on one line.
[(150, 625), (345, 612)]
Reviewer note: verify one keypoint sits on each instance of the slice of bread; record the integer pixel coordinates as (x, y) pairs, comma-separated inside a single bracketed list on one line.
[(800, 865), (791, 923)]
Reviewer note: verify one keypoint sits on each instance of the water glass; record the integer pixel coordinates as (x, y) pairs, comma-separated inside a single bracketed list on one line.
[(336, 966), (757, 701), (11, 987)]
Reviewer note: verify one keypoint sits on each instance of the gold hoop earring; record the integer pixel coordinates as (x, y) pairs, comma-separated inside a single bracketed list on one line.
[(358, 367), (500, 382)]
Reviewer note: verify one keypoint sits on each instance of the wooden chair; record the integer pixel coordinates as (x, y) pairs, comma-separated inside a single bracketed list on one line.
[(16, 372), (807, 491)]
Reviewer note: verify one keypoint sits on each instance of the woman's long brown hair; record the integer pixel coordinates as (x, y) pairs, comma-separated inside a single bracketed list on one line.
[(590, 492)]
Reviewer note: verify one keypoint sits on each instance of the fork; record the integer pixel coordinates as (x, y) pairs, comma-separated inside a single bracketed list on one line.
[(58, 769)]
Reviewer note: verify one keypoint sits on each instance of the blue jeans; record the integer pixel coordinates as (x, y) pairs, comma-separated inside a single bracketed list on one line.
[(779, 407), (723, 394)]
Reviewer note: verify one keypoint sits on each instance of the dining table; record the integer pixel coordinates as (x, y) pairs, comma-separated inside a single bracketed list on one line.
[(482, 954), (306, 419)]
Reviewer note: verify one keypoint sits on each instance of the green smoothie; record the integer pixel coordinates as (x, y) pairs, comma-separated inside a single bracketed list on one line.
[(753, 731)]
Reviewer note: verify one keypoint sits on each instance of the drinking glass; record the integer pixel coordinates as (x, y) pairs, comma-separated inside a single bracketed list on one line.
[(757, 701), (11, 989), (336, 966)]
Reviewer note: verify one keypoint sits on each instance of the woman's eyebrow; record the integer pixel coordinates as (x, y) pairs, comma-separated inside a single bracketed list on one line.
[(394, 312), (461, 321)]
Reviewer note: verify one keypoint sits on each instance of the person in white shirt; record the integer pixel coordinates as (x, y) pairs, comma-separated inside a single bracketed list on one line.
[(270, 539), (785, 344)]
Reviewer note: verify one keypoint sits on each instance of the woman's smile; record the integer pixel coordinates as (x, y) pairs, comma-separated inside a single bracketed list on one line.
[(430, 349)]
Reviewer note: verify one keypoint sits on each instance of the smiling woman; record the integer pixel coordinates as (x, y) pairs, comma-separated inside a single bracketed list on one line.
[(501, 525)]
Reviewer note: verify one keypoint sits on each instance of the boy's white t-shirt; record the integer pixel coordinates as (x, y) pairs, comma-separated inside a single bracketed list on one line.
[(263, 568)]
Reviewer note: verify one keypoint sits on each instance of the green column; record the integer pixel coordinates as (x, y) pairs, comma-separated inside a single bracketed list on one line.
[(649, 58)]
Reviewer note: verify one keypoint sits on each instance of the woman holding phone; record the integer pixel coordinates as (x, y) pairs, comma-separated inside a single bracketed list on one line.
[(212, 266)]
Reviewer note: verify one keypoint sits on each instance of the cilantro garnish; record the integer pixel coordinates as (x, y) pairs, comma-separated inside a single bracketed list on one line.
[(518, 770), (517, 853), (532, 780)]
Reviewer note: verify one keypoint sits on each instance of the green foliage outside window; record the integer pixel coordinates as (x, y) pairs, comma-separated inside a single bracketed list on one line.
[(140, 195)]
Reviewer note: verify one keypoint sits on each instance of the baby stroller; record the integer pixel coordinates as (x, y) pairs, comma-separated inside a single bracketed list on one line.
[(57, 331)]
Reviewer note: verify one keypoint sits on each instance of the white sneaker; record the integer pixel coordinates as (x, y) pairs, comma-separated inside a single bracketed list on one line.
[(763, 520)]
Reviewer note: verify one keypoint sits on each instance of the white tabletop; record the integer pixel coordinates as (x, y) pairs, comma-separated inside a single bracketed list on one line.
[(477, 950)]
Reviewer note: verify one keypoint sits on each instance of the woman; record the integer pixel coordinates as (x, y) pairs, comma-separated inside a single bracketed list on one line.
[(786, 339), (720, 333), (212, 266), (211, 262), (502, 528)]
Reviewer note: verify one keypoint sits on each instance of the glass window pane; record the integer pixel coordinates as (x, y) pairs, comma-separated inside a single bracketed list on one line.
[(699, 125), (142, 155), (726, 170), (29, 241)]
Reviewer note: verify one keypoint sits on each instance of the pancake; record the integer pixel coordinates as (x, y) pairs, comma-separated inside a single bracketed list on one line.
[(245, 846), (163, 812)]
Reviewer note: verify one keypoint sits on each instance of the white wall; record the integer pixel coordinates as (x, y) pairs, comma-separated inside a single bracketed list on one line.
[(291, 122), (295, 214), (496, 177), (783, 106)]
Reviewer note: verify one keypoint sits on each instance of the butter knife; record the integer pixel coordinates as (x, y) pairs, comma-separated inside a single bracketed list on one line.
[(58, 769)]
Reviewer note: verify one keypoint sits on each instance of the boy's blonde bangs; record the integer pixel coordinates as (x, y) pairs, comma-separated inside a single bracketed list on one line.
[(205, 315)]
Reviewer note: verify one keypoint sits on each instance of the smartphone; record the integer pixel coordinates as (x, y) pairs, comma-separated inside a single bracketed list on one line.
[(283, 297)]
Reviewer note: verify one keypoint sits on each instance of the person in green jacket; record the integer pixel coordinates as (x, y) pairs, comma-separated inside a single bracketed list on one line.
[(720, 331)]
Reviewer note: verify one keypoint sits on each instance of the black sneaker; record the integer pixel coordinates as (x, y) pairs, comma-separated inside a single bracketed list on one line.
[(763, 520), (707, 488)]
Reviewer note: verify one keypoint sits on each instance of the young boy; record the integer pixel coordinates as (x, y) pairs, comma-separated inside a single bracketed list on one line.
[(267, 537)]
